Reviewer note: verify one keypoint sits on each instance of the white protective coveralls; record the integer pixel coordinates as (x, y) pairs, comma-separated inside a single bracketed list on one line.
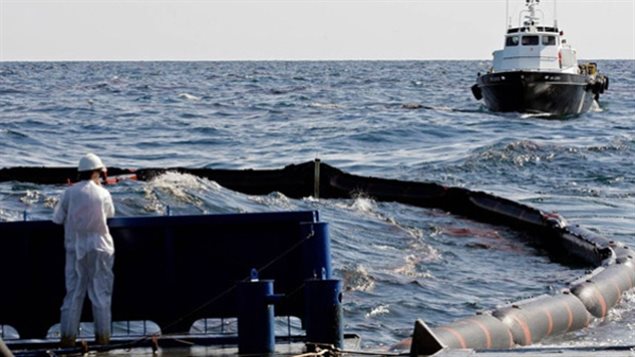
[(83, 210)]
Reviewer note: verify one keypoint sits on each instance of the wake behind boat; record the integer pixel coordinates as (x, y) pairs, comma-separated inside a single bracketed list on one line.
[(538, 72)]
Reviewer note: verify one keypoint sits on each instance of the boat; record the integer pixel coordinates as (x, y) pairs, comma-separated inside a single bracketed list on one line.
[(537, 71)]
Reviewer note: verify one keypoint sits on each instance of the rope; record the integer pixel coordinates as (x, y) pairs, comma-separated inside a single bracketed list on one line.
[(339, 352), (202, 306), (231, 288), (312, 354), (179, 340), (289, 250), (4, 350), (371, 353)]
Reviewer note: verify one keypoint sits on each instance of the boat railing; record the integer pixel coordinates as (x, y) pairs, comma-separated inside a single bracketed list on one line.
[(179, 271)]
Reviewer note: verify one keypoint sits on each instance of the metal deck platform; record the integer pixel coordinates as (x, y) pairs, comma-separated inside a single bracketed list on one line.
[(175, 345)]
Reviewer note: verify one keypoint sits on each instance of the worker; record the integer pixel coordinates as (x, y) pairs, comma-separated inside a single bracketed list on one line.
[(83, 209)]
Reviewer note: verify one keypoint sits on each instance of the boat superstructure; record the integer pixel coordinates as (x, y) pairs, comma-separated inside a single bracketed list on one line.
[(537, 71)]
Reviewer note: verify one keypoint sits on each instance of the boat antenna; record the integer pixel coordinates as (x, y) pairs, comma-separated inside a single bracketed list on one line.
[(531, 19), (507, 19)]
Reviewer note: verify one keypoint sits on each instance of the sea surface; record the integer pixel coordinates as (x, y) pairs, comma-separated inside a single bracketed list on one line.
[(410, 120)]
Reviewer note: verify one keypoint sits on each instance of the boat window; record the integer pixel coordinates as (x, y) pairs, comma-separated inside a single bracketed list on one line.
[(549, 40), (530, 40), (511, 41)]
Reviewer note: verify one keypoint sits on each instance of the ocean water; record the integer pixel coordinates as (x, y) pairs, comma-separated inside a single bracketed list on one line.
[(411, 120)]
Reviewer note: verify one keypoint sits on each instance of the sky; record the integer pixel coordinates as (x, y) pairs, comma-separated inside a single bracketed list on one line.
[(295, 29)]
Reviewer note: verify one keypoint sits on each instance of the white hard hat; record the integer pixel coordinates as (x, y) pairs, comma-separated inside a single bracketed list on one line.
[(90, 162)]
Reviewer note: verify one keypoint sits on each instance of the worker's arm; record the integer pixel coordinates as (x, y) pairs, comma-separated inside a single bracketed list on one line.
[(59, 214), (109, 207)]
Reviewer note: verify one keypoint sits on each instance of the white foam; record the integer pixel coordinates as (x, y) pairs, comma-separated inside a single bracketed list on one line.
[(188, 96), (30, 197), (274, 199), (9, 216), (325, 105), (378, 310), (182, 187), (361, 204), (534, 115), (50, 201), (596, 108), (178, 182), (357, 279)]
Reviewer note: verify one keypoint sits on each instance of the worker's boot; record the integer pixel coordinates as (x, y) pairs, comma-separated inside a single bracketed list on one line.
[(67, 341), (102, 325), (102, 339)]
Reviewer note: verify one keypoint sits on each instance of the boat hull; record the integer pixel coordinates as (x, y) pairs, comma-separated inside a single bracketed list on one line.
[(536, 92)]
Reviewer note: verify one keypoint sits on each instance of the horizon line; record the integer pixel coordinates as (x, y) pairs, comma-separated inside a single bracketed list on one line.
[(280, 60)]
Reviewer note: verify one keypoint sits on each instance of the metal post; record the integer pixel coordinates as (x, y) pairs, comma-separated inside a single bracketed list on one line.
[(256, 333), (316, 179), (316, 250), (323, 303), (289, 327)]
